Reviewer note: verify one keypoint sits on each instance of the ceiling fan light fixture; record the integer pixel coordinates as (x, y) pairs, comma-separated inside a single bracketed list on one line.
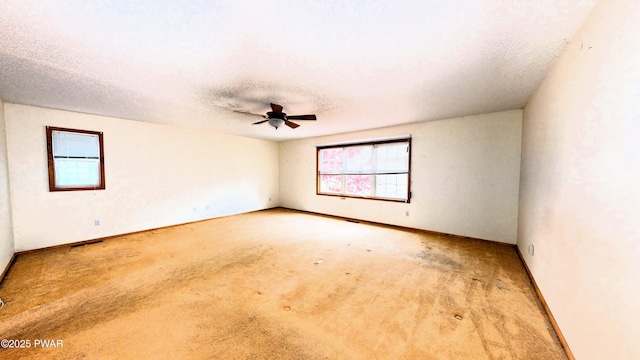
[(276, 123)]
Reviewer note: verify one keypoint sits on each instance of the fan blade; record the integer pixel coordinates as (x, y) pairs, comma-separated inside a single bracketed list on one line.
[(291, 124), (260, 122), (276, 108), (301, 117)]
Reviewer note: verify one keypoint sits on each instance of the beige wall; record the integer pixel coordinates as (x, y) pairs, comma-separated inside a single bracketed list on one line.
[(464, 177), (156, 176), (579, 198), (6, 234)]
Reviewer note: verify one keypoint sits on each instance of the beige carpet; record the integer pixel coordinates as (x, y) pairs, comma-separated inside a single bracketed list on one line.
[(276, 284)]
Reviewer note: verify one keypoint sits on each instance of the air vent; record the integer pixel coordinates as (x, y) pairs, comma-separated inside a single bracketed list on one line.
[(86, 243)]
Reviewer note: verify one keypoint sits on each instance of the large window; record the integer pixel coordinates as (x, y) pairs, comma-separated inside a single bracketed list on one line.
[(76, 159), (374, 170)]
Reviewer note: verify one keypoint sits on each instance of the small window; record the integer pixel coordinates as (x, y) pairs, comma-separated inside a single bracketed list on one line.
[(76, 159), (374, 170)]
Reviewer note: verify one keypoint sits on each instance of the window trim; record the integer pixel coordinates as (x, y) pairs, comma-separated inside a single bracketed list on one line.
[(362, 143), (51, 163)]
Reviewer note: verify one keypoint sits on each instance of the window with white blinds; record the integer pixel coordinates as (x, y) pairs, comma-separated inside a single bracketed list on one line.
[(76, 160), (375, 170)]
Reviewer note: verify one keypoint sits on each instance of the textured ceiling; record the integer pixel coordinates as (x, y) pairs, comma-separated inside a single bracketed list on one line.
[(356, 64)]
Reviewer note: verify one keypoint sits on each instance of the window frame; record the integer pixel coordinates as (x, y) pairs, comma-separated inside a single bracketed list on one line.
[(365, 143), (51, 162)]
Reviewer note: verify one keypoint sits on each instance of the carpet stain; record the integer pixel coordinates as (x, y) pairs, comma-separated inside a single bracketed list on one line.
[(439, 260)]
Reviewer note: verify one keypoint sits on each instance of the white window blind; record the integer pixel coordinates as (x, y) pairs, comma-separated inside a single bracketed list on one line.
[(75, 145)]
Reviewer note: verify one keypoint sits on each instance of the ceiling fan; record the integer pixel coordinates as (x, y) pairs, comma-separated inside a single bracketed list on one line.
[(276, 117)]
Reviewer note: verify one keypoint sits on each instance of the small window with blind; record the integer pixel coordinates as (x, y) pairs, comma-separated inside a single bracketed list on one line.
[(373, 170), (76, 159)]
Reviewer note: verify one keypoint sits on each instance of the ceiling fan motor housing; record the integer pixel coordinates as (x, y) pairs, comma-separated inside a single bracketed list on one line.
[(275, 115)]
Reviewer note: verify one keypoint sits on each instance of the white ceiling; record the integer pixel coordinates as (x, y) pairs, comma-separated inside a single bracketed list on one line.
[(356, 64)]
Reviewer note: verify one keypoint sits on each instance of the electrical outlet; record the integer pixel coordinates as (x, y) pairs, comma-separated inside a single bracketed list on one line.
[(407, 213), (531, 249), (269, 199), (96, 222)]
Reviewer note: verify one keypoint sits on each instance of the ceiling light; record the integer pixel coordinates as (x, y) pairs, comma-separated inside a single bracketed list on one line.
[(276, 123)]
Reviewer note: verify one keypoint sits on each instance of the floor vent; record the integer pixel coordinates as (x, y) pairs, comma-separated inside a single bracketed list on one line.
[(87, 243)]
